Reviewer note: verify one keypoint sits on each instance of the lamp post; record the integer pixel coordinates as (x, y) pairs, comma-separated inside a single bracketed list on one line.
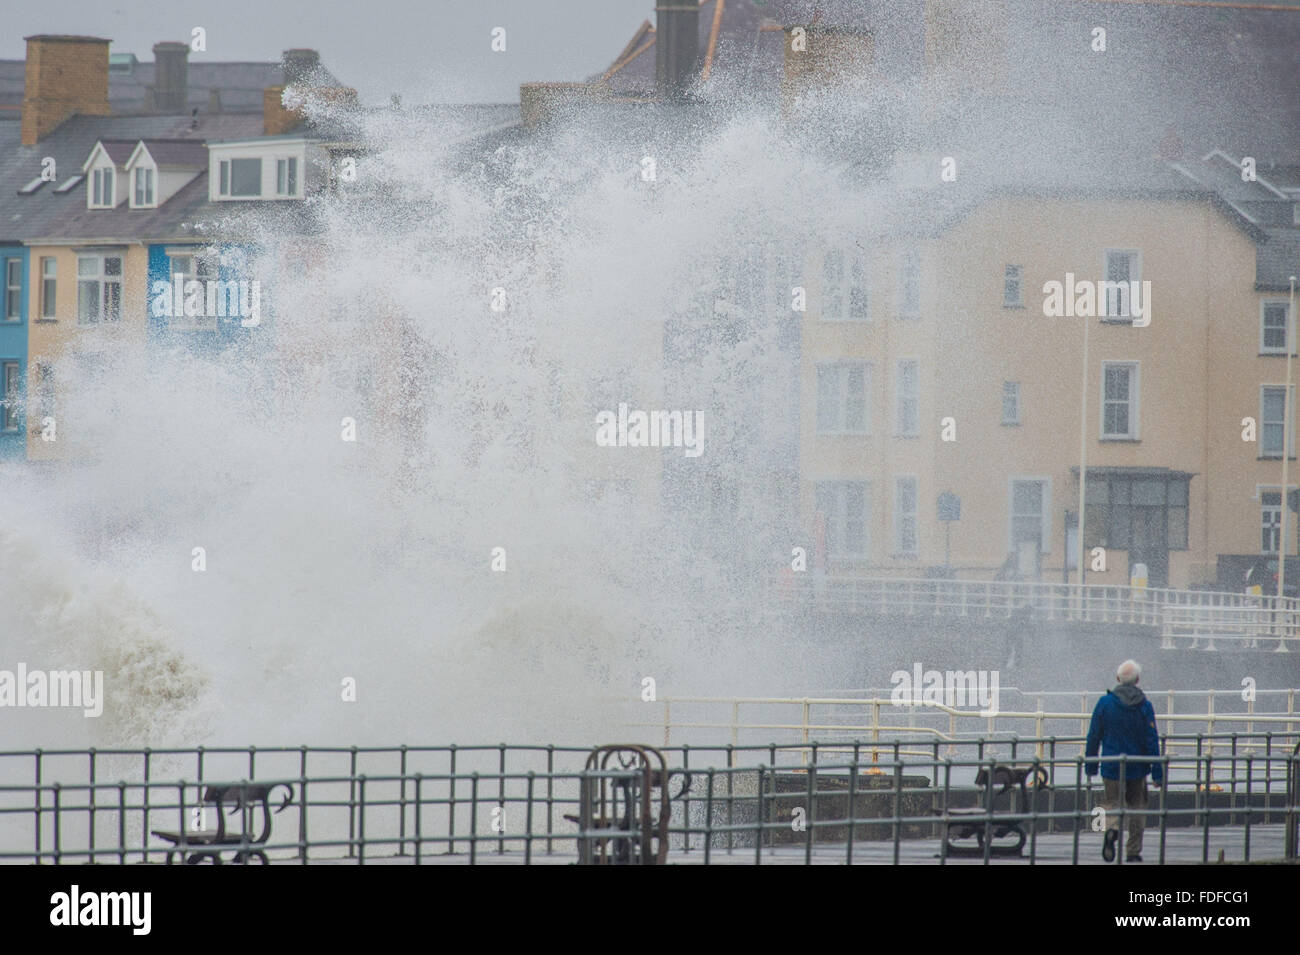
[(1083, 456), (1286, 453)]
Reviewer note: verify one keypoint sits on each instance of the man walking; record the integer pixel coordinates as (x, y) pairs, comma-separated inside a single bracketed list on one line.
[(1124, 724)]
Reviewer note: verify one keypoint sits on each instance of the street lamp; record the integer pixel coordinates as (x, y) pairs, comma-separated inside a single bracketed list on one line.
[(1083, 455), (1286, 452)]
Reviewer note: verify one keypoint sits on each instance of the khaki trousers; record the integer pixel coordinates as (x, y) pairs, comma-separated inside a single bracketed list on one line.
[(1135, 800)]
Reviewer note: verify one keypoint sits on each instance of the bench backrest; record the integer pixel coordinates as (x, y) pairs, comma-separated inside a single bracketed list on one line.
[(243, 797)]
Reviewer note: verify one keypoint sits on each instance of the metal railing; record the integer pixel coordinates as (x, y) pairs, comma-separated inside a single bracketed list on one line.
[(884, 801), (876, 714), (1176, 613)]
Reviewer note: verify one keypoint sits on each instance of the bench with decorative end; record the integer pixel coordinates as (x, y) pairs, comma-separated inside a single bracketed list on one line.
[(1000, 819), (232, 798)]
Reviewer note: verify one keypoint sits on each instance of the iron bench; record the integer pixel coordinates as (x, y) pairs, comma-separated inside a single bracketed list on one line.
[(1010, 797), (243, 798)]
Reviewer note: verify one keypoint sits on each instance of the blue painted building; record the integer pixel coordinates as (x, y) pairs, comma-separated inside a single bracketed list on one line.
[(14, 296), (233, 302)]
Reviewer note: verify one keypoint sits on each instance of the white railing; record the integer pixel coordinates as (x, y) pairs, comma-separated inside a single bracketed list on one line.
[(877, 721), (1193, 614)]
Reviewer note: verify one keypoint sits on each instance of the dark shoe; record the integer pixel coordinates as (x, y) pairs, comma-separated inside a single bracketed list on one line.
[(1132, 858), (1108, 846)]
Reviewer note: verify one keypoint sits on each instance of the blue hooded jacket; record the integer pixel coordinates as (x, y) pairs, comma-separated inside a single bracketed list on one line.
[(1124, 722)]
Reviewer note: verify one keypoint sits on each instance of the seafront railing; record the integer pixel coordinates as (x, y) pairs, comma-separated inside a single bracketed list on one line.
[(1184, 618), (846, 801), (878, 713)]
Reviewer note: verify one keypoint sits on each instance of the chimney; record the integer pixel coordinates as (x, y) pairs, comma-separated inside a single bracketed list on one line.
[(276, 117), (542, 103), (214, 100), (299, 64), (66, 75), (171, 73), (677, 47)]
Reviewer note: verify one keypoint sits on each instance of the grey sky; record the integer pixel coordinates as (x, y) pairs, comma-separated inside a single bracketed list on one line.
[(426, 50)]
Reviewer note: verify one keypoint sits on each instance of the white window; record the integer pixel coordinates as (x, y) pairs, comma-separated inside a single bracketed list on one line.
[(1270, 520), (49, 285), (240, 178), (13, 304), (12, 401), (102, 188), (45, 388), (844, 287), (1119, 400), (143, 187), (1030, 505), (1272, 328), (844, 505), (1122, 267), (907, 422), (905, 517), (842, 398), (286, 177), (187, 266), (909, 292), (99, 288), (1012, 296), (1272, 410), (1011, 402)]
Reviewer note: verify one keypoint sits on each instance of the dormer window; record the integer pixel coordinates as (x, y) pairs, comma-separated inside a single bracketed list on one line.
[(101, 196), (241, 178), (143, 188)]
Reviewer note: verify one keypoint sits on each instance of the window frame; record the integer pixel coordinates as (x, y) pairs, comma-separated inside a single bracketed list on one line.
[(1044, 507), (205, 265), (1264, 305), (1289, 445), (49, 288), (852, 284), (1013, 420), (11, 407), (286, 171), (909, 283), (13, 294), (843, 368), (103, 281), (142, 198), (1019, 301), (841, 487), (899, 430), (1276, 529), (902, 517), (230, 177), (1135, 275), (1134, 401), (103, 188)]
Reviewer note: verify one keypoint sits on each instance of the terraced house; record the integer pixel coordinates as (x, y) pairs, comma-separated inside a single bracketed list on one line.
[(119, 196)]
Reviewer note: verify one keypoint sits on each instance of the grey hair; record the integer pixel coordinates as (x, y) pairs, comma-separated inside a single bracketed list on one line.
[(1128, 672)]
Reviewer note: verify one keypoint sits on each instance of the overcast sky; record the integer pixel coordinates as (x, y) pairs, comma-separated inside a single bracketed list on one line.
[(426, 50)]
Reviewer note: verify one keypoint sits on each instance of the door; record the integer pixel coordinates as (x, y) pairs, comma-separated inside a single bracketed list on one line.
[(1150, 545)]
